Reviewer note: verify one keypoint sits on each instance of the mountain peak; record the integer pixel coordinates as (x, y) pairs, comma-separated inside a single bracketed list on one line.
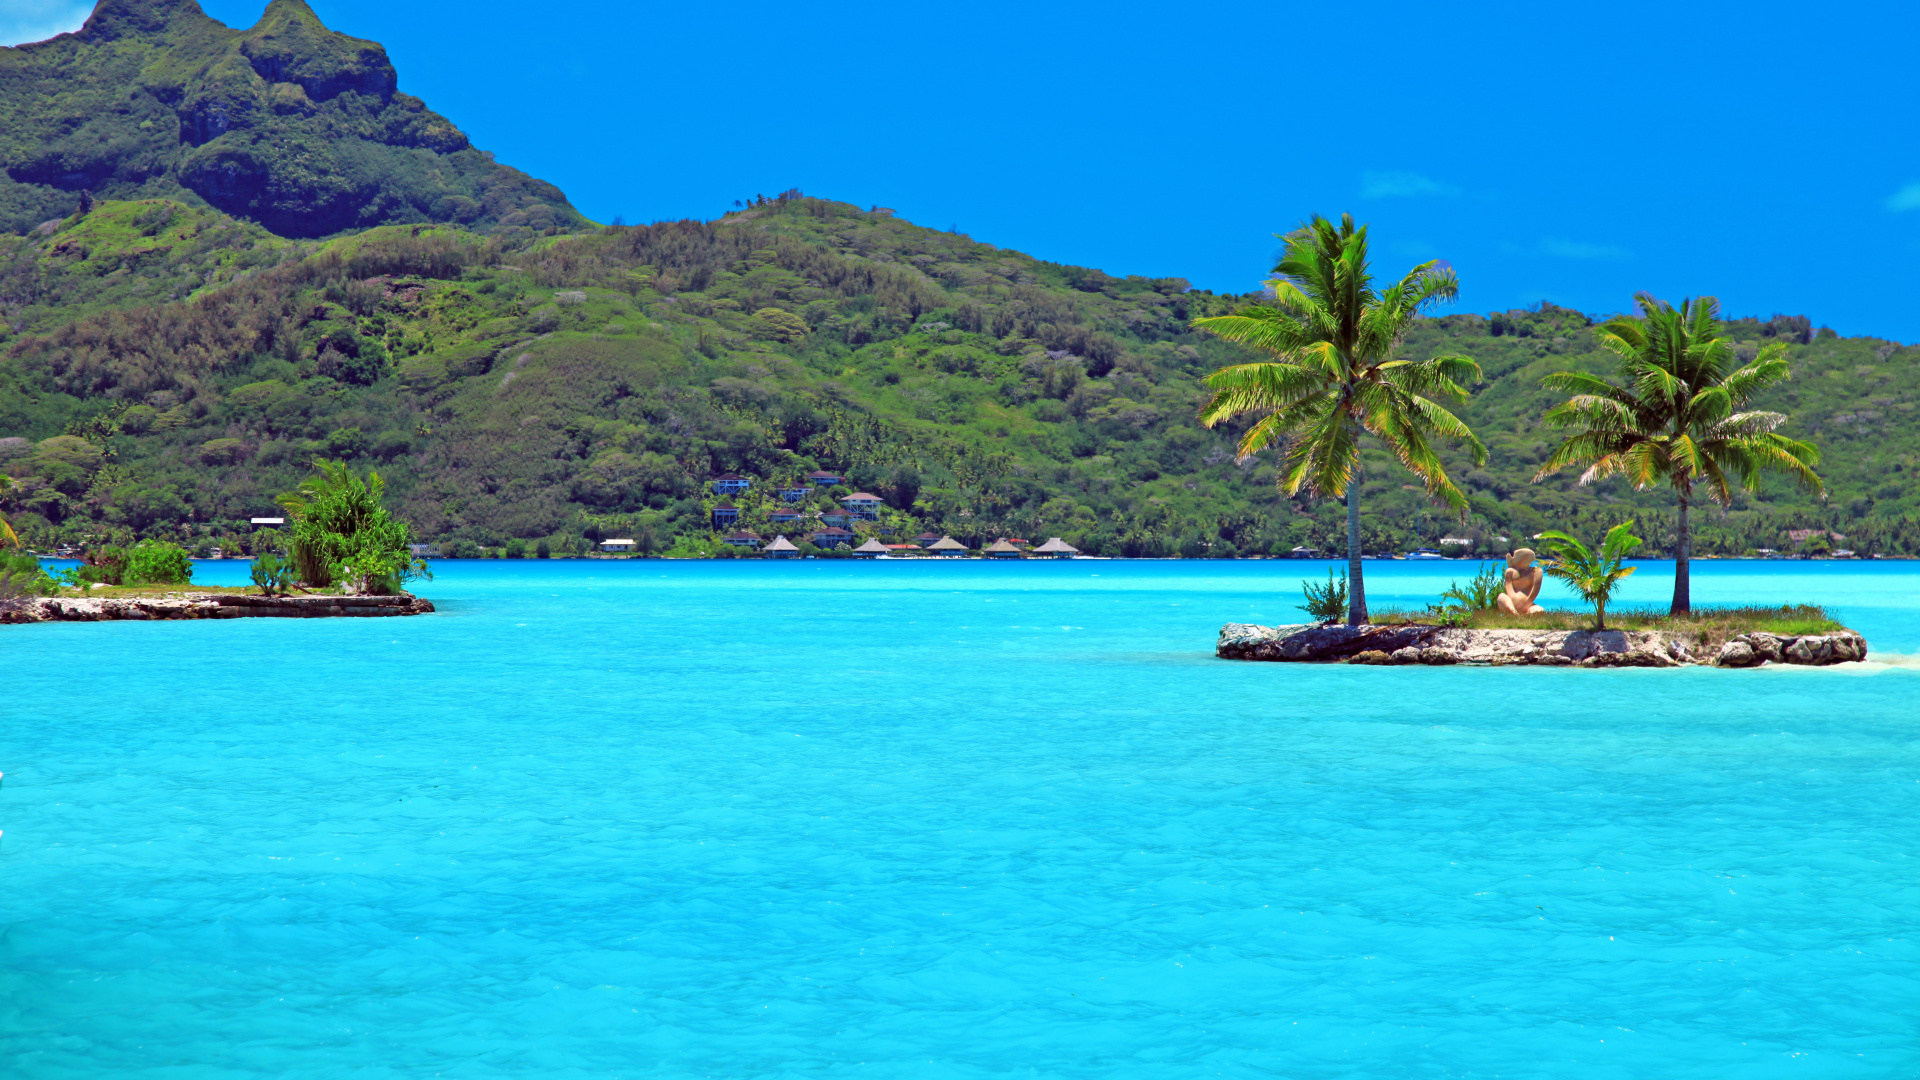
[(290, 45), (290, 124), (113, 19)]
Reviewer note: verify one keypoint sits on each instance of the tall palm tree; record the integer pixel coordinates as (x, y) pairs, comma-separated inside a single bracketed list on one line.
[(1333, 378), (1681, 418)]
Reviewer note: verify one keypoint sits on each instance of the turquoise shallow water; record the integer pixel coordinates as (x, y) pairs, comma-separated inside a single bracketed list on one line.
[(901, 819)]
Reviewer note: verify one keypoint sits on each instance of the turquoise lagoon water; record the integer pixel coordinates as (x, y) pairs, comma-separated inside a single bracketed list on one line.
[(822, 819)]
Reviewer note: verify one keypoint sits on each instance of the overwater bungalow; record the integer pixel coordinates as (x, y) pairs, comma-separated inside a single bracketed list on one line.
[(948, 547), (781, 548), (872, 549), (1057, 548), (731, 484), (1004, 549)]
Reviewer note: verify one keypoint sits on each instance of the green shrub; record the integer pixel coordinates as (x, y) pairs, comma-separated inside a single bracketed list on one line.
[(102, 566), (516, 548), (341, 531), (272, 574), (22, 576), (1328, 602), (1480, 594), (157, 562)]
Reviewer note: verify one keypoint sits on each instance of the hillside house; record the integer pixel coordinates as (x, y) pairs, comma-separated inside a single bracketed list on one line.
[(781, 548), (725, 514), (865, 505), (831, 537), (949, 547), (618, 545), (821, 478), (731, 484), (785, 515), (1056, 548), (836, 517), (744, 540), (795, 493), (926, 540)]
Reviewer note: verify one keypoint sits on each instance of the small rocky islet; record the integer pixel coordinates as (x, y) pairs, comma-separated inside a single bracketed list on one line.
[(188, 605), (1428, 644)]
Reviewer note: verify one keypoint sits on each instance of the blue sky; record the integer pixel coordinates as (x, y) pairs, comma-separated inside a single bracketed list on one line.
[(1761, 152)]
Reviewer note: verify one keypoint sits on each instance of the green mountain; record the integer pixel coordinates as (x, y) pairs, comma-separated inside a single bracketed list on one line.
[(176, 350), (286, 124), (588, 384)]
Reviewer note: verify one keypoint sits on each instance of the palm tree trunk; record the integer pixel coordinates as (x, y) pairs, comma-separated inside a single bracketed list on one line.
[(1356, 588), (1683, 557)]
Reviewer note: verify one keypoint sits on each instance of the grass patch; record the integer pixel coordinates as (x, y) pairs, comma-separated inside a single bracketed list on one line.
[(1708, 626), (161, 592)]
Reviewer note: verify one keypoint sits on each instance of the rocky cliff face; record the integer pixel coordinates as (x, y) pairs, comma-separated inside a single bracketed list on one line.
[(289, 124)]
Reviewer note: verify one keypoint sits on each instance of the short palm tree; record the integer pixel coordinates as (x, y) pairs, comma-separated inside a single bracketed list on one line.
[(1593, 575), (1333, 378), (6, 527), (1681, 418)]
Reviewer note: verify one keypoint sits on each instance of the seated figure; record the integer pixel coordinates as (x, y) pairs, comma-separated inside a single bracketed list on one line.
[(1523, 581)]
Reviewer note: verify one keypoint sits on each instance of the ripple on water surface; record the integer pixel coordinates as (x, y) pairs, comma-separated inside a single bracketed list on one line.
[(763, 820)]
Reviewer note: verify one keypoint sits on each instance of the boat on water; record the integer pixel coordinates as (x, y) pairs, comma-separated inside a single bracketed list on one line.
[(1423, 553)]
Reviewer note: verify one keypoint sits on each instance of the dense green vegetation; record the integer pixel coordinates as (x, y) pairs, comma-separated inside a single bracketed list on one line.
[(343, 533), (287, 124), (178, 348), (586, 385)]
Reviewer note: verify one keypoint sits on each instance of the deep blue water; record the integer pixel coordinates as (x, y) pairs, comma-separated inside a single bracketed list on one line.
[(737, 819)]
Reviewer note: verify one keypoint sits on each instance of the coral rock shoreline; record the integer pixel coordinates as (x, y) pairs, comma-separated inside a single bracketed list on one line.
[(1554, 648), (212, 606)]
